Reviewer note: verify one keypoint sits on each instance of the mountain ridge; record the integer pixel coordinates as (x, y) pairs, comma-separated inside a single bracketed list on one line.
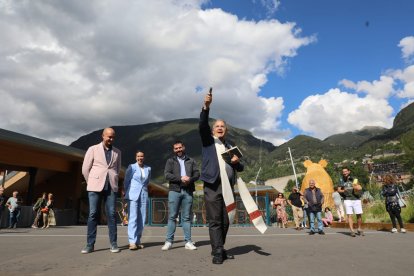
[(156, 140)]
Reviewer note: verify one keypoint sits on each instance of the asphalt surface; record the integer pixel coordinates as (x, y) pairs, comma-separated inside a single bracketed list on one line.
[(56, 251)]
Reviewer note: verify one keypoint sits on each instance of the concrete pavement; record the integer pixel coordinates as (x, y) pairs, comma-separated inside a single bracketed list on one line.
[(56, 251)]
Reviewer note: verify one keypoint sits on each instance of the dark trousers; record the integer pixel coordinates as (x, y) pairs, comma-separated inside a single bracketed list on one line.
[(397, 215), (217, 217)]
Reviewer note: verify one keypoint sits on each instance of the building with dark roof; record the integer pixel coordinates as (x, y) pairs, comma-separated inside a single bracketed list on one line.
[(31, 166)]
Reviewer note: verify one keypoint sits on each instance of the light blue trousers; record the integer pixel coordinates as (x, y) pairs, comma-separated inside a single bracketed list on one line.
[(137, 213)]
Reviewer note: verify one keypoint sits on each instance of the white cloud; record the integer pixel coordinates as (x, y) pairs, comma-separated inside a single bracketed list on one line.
[(71, 67), (271, 6), (337, 112), (407, 48), (380, 89), (406, 77)]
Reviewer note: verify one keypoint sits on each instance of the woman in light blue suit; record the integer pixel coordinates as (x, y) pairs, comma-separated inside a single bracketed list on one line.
[(136, 182)]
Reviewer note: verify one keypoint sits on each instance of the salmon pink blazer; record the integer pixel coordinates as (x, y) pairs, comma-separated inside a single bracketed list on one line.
[(95, 168)]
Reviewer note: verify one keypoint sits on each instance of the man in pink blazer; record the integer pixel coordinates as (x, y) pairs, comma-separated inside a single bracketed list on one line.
[(101, 167)]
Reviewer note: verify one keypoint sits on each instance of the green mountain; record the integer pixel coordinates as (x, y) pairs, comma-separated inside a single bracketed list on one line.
[(335, 147), (354, 138), (403, 122), (156, 139), (404, 119), (349, 145)]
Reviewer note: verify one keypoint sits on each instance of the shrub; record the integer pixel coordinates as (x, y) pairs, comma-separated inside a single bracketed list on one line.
[(407, 213), (375, 212)]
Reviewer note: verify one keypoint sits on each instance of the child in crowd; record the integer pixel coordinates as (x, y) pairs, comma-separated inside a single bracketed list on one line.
[(327, 220)]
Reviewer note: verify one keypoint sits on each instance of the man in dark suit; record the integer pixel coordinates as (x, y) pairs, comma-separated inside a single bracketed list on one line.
[(214, 171)]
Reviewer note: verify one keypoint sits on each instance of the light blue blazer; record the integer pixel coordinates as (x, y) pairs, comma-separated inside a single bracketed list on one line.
[(134, 184)]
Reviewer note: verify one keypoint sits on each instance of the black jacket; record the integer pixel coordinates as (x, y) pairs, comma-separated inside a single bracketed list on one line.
[(210, 169), (314, 206), (172, 173), (390, 191)]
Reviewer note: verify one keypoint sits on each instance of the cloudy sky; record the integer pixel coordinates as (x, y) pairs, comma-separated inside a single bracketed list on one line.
[(278, 68)]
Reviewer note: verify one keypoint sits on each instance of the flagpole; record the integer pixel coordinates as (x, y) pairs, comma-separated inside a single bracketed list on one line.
[(260, 168), (293, 166), (255, 181)]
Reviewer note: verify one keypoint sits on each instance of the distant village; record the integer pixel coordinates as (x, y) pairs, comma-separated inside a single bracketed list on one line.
[(378, 170)]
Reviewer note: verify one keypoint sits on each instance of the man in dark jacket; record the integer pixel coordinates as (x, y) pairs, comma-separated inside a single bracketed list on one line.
[(216, 175), (181, 172), (294, 200), (315, 199)]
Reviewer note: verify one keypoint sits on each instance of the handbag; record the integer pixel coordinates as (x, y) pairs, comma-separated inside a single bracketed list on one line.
[(401, 201)]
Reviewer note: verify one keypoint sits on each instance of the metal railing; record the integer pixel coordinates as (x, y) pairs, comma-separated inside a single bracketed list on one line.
[(157, 211)]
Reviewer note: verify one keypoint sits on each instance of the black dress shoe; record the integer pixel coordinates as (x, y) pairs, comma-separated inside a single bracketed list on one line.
[(217, 259)]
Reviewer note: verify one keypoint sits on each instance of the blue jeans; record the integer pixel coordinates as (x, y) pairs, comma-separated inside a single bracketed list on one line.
[(14, 218), (109, 198), (305, 217), (175, 200), (312, 221)]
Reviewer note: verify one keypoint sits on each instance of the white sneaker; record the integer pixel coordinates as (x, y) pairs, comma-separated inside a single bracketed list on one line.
[(394, 230), (167, 246), (190, 246), (403, 230)]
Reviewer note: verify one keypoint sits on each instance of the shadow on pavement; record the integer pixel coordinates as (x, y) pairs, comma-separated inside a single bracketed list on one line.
[(241, 250), (202, 243)]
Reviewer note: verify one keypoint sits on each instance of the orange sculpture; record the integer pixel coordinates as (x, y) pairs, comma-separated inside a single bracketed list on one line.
[(317, 172)]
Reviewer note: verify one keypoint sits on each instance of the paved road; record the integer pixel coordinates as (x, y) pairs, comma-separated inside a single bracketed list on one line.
[(56, 251)]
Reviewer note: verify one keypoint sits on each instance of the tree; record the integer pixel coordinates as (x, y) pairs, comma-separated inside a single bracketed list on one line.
[(291, 183)]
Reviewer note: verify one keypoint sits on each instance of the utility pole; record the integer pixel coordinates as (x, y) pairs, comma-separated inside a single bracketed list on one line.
[(255, 181), (260, 168), (294, 171)]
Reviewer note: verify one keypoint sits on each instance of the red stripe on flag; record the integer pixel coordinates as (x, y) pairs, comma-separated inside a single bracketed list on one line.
[(231, 207), (254, 215)]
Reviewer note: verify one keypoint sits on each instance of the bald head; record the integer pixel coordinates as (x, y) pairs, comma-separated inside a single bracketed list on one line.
[(312, 183), (108, 136)]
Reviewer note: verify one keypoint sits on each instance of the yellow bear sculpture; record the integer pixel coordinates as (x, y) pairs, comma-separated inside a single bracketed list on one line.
[(317, 172)]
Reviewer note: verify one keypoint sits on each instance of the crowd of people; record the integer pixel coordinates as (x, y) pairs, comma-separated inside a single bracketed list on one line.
[(43, 209), (307, 207), (102, 164), (45, 216)]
